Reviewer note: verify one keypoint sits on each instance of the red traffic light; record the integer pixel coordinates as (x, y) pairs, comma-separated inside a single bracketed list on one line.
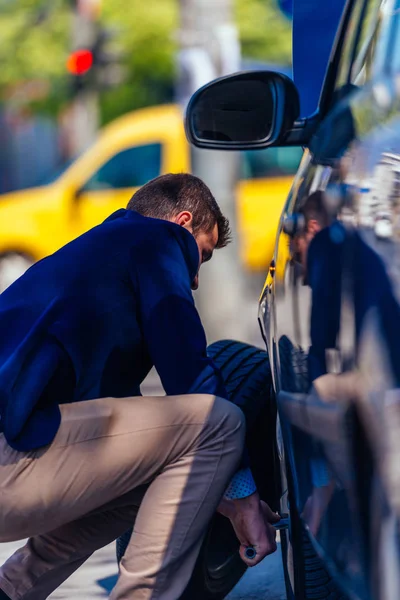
[(80, 62)]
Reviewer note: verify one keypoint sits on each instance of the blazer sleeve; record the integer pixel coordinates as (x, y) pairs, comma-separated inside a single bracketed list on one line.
[(30, 416), (170, 323)]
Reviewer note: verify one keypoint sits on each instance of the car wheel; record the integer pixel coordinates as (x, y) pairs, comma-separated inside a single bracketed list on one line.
[(311, 580), (247, 378), (12, 266), (305, 575)]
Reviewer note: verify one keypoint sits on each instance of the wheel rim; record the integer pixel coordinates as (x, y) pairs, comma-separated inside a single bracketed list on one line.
[(221, 550), (12, 266)]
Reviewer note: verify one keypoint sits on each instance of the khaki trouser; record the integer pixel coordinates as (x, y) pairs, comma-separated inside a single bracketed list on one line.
[(82, 491)]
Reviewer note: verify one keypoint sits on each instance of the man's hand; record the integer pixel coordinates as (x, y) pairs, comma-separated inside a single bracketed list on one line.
[(251, 519)]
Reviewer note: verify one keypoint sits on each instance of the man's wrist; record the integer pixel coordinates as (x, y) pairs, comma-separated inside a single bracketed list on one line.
[(226, 508), (231, 507), (248, 503)]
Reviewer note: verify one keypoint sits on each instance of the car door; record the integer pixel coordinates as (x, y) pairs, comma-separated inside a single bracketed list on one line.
[(337, 353)]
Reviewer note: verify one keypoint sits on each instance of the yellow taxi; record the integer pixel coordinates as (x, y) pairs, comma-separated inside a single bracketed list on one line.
[(129, 152)]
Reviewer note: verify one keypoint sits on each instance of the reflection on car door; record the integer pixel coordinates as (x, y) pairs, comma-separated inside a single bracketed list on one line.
[(339, 351)]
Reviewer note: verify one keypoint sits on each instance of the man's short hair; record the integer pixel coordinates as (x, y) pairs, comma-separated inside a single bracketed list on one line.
[(315, 208), (168, 195)]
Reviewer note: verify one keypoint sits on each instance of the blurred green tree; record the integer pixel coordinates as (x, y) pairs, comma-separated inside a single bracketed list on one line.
[(265, 33), (145, 34), (35, 43)]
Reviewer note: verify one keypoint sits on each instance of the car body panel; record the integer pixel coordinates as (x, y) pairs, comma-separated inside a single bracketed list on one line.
[(332, 326), (38, 221), (33, 223), (330, 314)]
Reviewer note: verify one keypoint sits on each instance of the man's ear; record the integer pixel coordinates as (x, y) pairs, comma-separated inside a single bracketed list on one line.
[(184, 219)]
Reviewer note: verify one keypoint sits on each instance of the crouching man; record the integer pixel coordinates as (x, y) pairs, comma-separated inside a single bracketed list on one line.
[(78, 444)]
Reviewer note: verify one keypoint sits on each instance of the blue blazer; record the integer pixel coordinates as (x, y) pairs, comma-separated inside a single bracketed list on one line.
[(92, 319)]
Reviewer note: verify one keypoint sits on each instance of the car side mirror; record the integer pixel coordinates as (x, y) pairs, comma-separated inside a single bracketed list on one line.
[(247, 110)]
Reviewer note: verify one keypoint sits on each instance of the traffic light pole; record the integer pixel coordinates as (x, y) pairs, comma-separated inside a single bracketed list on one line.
[(84, 111), (210, 48)]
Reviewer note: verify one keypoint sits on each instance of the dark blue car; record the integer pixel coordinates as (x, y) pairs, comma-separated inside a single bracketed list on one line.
[(329, 381)]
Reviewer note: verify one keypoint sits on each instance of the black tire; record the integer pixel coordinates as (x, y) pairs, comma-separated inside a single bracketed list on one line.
[(310, 578), (247, 378), (285, 557), (312, 581), (122, 544), (319, 584)]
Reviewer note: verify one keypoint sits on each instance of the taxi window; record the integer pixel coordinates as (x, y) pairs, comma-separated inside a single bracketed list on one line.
[(130, 168), (271, 162)]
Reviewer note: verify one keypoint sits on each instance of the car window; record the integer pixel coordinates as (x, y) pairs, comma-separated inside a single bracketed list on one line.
[(271, 162), (349, 42), (130, 168), (368, 48), (394, 59), (360, 52)]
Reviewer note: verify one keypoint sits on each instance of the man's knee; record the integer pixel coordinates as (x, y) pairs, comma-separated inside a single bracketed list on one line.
[(227, 417)]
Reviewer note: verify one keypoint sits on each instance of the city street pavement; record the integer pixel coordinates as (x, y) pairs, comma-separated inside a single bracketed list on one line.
[(97, 576)]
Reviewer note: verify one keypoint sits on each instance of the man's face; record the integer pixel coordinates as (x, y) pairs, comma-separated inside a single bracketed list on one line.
[(302, 242), (206, 243)]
